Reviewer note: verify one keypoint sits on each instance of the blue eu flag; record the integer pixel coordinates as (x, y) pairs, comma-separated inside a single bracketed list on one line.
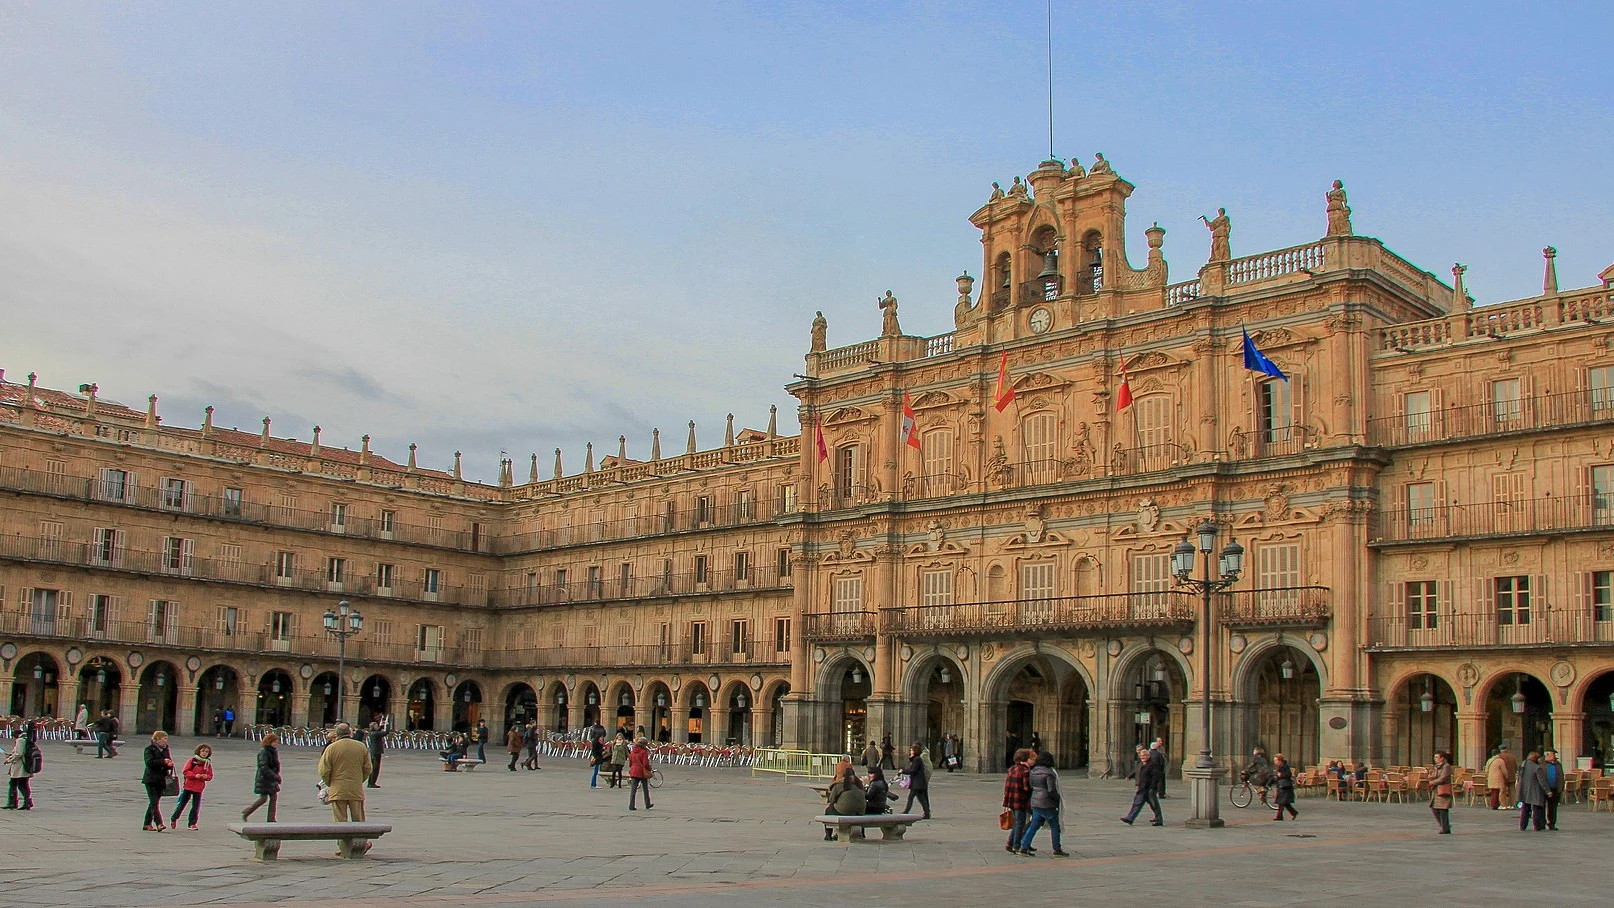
[(1256, 361)]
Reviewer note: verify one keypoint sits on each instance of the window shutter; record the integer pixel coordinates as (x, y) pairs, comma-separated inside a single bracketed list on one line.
[(1398, 614), (113, 604), (64, 605), (117, 545), (25, 605), (1485, 595), (1437, 414), (1297, 398), (187, 555)]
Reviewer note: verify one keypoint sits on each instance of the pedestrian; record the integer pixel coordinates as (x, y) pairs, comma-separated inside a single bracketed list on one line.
[(877, 794), (846, 797), (1496, 779), (1045, 800), (1011, 746), (949, 752), (1555, 786), (514, 741), (871, 755), (483, 736), (81, 722), (596, 758), (1017, 796), (197, 773), (376, 740), (218, 723), (1284, 775), (619, 758), (532, 745), (23, 763), (1510, 794), (229, 721), (105, 729), (1441, 796), (266, 780), (918, 780), (639, 774), (1159, 747), (888, 754), (1144, 777), (1036, 743), (343, 767), (159, 768), (1532, 793)]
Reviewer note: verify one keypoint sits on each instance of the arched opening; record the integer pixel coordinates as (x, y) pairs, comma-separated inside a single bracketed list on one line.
[(34, 686), (100, 686), (739, 707), (941, 690), (700, 700), (776, 714), (520, 706), (421, 711), (854, 687), (159, 698), (1003, 280), (1045, 261), (467, 706), (1044, 706), (274, 698), (625, 714), (322, 693), (1518, 713), (218, 691), (591, 705), (1425, 709), (1285, 693), (375, 695), (1150, 703), (1092, 273), (1597, 741), (563, 713), (660, 699)]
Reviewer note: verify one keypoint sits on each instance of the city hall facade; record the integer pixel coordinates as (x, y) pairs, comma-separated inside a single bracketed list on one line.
[(1425, 498)]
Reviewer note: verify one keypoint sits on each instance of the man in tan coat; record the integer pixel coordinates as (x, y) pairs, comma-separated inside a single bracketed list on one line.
[(343, 767)]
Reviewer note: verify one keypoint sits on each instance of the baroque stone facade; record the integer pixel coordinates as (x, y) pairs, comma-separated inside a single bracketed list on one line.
[(1425, 503)]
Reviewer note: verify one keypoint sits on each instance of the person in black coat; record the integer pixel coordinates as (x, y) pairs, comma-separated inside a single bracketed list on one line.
[(266, 782), (918, 781), (878, 794), (159, 766), (1147, 779), (1284, 776), (377, 742)]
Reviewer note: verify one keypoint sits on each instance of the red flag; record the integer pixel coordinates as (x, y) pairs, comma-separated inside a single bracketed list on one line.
[(1005, 392), (1123, 394), (818, 438), (910, 424)]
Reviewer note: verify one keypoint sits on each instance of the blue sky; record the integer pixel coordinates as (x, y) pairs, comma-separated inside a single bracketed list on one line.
[(488, 226)]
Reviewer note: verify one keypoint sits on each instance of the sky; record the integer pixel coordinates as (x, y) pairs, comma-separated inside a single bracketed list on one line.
[(511, 227)]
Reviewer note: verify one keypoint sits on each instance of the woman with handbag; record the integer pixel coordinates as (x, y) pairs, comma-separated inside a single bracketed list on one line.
[(1441, 795), (159, 779), (21, 765), (918, 781)]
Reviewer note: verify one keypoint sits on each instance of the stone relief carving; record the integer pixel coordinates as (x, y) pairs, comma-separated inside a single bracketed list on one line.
[(1148, 515)]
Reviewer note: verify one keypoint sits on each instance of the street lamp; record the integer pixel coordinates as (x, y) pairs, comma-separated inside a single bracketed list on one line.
[(1230, 564), (342, 622)]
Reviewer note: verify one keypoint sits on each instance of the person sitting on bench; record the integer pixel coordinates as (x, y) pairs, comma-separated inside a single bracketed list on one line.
[(879, 794), (458, 746), (846, 798)]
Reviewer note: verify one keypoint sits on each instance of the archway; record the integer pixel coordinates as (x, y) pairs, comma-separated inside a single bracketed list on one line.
[(563, 719), (375, 695), (1423, 720), (1597, 740), (218, 689), (776, 714), (938, 687), (738, 703), (467, 706), (1518, 713), (159, 698), (520, 705), (322, 693), (100, 686), (1283, 690), (700, 700), (274, 698), (660, 698), (420, 714), (624, 710), (1150, 702), (591, 704), (1034, 699), (34, 686), (849, 685)]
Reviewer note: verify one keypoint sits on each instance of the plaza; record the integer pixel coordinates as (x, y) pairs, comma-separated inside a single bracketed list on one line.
[(493, 838)]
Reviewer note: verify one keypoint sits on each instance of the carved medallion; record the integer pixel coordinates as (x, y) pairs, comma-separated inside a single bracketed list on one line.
[(1562, 673), (1468, 674), (1148, 515)]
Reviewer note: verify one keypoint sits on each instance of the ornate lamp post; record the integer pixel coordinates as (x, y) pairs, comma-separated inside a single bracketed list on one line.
[(1204, 774), (342, 622)]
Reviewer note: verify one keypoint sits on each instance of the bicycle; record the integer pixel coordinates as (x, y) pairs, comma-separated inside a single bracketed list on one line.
[(655, 778), (1244, 794)]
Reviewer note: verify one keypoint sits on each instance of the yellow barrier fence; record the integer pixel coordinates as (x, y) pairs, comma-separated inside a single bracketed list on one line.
[(803, 763)]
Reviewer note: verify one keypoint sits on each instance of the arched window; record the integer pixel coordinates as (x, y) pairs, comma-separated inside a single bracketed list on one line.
[(1153, 425), (938, 478), (1045, 264), (1038, 449), (1093, 260)]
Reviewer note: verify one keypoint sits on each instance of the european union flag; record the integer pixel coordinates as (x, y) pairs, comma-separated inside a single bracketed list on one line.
[(1256, 361)]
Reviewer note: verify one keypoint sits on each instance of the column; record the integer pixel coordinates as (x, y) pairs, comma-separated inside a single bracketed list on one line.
[(185, 710), (67, 688), (1471, 737), (679, 715), (129, 705), (299, 694), (1568, 731), (1391, 751)]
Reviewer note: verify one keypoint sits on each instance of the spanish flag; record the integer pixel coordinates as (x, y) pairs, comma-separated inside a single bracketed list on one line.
[(910, 424), (1123, 394), (1005, 391), (818, 439)]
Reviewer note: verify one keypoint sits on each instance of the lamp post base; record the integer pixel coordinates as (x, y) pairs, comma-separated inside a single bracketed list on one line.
[(1202, 801)]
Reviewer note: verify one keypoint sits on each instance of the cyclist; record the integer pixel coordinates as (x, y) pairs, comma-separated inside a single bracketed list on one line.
[(1259, 771)]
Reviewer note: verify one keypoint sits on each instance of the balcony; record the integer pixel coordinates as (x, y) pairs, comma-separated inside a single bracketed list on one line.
[(1565, 410), (1292, 606), (1589, 306), (1525, 517), (662, 586), (822, 628), (681, 655), (735, 514), (1119, 611), (1540, 626)]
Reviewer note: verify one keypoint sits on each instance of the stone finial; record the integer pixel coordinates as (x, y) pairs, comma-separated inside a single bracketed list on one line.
[(151, 412), (412, 448), (588, 459), (364, 451), (1459, 293), (1549, 280), (457, 465), (1339, 213), (690, 448), (33, 378), (207, 421), (532, 475), (621, 450), (313, 449), (263, 440), (558, 472), (773, 421), (728, 433), (655, 445)]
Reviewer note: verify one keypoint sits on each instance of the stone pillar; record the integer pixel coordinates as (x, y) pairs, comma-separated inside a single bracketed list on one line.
[(5, 692), (1471, 738), (1204, 807), (1568, 731), (67, 686), (717, 725), (185, 710), (679, 715), (1390, 752), (442, 710), (299, 695), (129, 706)]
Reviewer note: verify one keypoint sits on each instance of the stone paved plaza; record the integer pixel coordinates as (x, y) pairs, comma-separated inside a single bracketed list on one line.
[(493, 838)]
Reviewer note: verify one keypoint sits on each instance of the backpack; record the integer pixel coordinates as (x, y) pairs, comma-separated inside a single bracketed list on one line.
[(33, 759)]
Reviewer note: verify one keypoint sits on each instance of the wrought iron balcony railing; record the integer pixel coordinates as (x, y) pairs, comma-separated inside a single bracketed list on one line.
[(1547, 411), (1540, 625), (1510, 518)]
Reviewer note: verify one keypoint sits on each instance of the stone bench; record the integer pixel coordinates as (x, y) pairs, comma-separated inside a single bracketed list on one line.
[(892, 826), (464, 763), (78, 744), (352, 839)]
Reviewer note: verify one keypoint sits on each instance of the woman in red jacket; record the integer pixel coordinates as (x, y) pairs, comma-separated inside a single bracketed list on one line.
[(639, 773), (197, 773)]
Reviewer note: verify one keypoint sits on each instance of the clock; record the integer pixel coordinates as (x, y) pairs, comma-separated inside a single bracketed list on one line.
[(1041, 320)]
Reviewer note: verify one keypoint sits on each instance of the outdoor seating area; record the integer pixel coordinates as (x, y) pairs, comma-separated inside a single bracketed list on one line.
[(1410, 784)]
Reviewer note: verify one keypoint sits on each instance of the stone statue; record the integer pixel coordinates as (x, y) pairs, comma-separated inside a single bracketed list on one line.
[(1118, 460), (1220, 228), (888, 324), (997, 467), (820, 332), (997, 192), (1236, 445), (1084, 445), (1339, 213), (1018, 190), (1099, 165), (963, 310)]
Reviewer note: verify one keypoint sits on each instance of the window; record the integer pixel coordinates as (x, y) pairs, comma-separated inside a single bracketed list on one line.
[(1507, 492), (669, 515), (44, 606), (476, 537), (429, 638), (50, 539), (388, 520), (742, 567), (936, 587), (280, 626), (1037, 440), (383, 576), (1602, 595), (664, 640), (1512, 600), (107, 547), (700, 568), (938, 453), (1154, 419), (591, 635), (1420, 503), (1603, 494), (335, 569), (1506, 404), (173, 494), (1277, 567), (744, 506), (1277, 414), (596, 587), (1417, 407), (229, 620), (1601, 379), (114, 485), (697, 638), (560, 580), (101, 616), (624, 578), (703, 509), (285, 507), (432, 582), (285, 565), (739, 636), (784, 563), (1422, 602), (471, 639), (848, 463), (381, 631), (848, 595), (232, 503), (230, 554), (338, 516), (666, 575), (781, 635), (1151, 579), (162, 619), (532, 583), (786, 499), (177, 555)]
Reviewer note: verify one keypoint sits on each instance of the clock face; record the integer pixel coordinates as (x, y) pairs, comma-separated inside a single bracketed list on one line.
[(1041, 320)]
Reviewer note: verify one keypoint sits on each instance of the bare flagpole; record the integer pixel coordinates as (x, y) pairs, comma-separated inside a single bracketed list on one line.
[(1050, 80)]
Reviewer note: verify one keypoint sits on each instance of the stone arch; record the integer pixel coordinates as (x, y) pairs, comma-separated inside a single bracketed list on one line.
[(845, 683), (1136, 692), (158, 704), (1411, 735), (275, 688), (1250, 660), (936, 685), (520, 701), (1278, 713), (658, 698), (35, 685), (101, 681), (773, 695), (1028, 694), (739, 705), (420, 704), (620, 715), (1524, 731), (697, 701), (467, 711), (558, 698), (323, 691), (374, 698), (591, 700), (218, 699), (1592, 697), (833, 668)]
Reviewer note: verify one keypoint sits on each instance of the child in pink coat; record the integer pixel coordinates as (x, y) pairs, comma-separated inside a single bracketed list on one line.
[(197, 773)]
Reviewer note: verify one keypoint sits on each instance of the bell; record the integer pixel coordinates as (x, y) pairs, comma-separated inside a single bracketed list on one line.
[(1050, 266)]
